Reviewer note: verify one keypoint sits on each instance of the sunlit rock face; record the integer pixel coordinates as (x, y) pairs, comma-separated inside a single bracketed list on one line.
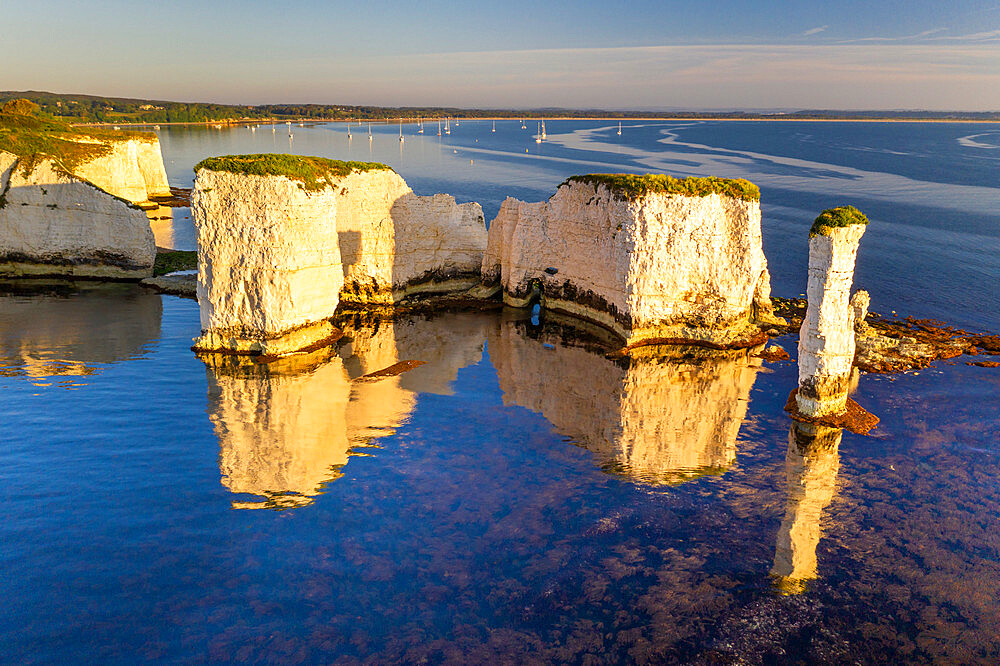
[(55, 223), (656, 266), (811, 467), (657, 419), (62, 331), (269, 265), (287, 428), (395, 243), (132, 169), (826, 338)]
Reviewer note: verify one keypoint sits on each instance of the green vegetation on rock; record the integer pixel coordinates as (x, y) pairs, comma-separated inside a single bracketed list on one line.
[(33, 138), (831, 218), (632, 186), (314, 173), (175, 260)]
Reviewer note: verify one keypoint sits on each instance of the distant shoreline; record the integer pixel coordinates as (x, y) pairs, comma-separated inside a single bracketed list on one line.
[(390, 121)]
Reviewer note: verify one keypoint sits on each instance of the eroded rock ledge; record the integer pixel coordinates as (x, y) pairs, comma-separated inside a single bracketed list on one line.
[(652, 258)]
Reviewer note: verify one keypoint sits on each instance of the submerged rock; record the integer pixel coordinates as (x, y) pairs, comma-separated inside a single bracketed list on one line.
[(55, 223), (652, 258)]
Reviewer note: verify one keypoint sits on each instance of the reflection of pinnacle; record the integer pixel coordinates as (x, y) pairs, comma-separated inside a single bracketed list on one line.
[(811, 466)]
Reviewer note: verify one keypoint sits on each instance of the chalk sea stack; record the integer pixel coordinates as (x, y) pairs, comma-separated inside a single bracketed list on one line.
[(71, 200), (826, 338), (284, 239), (652, 258), (269, 265)]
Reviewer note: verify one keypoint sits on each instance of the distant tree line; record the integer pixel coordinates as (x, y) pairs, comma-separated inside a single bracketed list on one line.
[(94, 109)]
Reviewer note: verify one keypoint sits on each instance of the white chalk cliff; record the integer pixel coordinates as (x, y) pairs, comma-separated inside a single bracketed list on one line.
[(660, 265), (276, 258), (131, 169), (826, 338), (56, 223), (269, 267), (395, 243), (657, 419)]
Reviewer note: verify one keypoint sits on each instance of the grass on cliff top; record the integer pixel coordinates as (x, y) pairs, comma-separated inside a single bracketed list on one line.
[(632, 186), (842, 216), (32, 139), (314, 173)]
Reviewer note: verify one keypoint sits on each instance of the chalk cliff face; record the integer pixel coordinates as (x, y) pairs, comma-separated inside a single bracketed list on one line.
[(659, 265), (276, 257), (826, 338), (54, 223), (132, 169), (269, 263), (287, 428), (395, 243), (811, 467), (656, 419)]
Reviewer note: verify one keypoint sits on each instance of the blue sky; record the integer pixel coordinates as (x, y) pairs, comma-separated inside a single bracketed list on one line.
[(719, 54)]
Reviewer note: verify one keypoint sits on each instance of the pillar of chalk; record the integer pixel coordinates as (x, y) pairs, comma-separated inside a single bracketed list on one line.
[(826, 339), (269, 265)]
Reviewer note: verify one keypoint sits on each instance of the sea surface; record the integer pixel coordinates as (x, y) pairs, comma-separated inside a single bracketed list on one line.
[(520, 497)]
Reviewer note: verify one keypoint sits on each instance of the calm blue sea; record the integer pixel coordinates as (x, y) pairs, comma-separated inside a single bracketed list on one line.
[(520, 497)]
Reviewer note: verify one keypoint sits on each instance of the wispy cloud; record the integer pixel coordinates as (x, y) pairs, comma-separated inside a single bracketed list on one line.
[(815, 31), (919, 35), (976, 36)]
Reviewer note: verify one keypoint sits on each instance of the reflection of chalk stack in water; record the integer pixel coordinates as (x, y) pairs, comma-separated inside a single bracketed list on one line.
[(655, 419), (69, 329), (287, 428), (811, 466)]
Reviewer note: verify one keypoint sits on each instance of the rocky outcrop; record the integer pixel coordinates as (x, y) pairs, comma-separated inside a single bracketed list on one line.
[(650, 258), (56, 223), (269, 267), (811, 466), (131, 169), (287, 428), (826, 339), (395, 243), (278, 250), (657, 418)]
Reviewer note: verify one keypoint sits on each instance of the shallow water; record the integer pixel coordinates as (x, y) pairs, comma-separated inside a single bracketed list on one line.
[(519, 496)]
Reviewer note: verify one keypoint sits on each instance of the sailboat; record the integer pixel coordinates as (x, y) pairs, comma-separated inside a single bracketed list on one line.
[(421, 130), (494, 127), (543, 129), (439, 127), (370, 137), (401, 130), (619, 128), (538, 133), (447, 125)]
